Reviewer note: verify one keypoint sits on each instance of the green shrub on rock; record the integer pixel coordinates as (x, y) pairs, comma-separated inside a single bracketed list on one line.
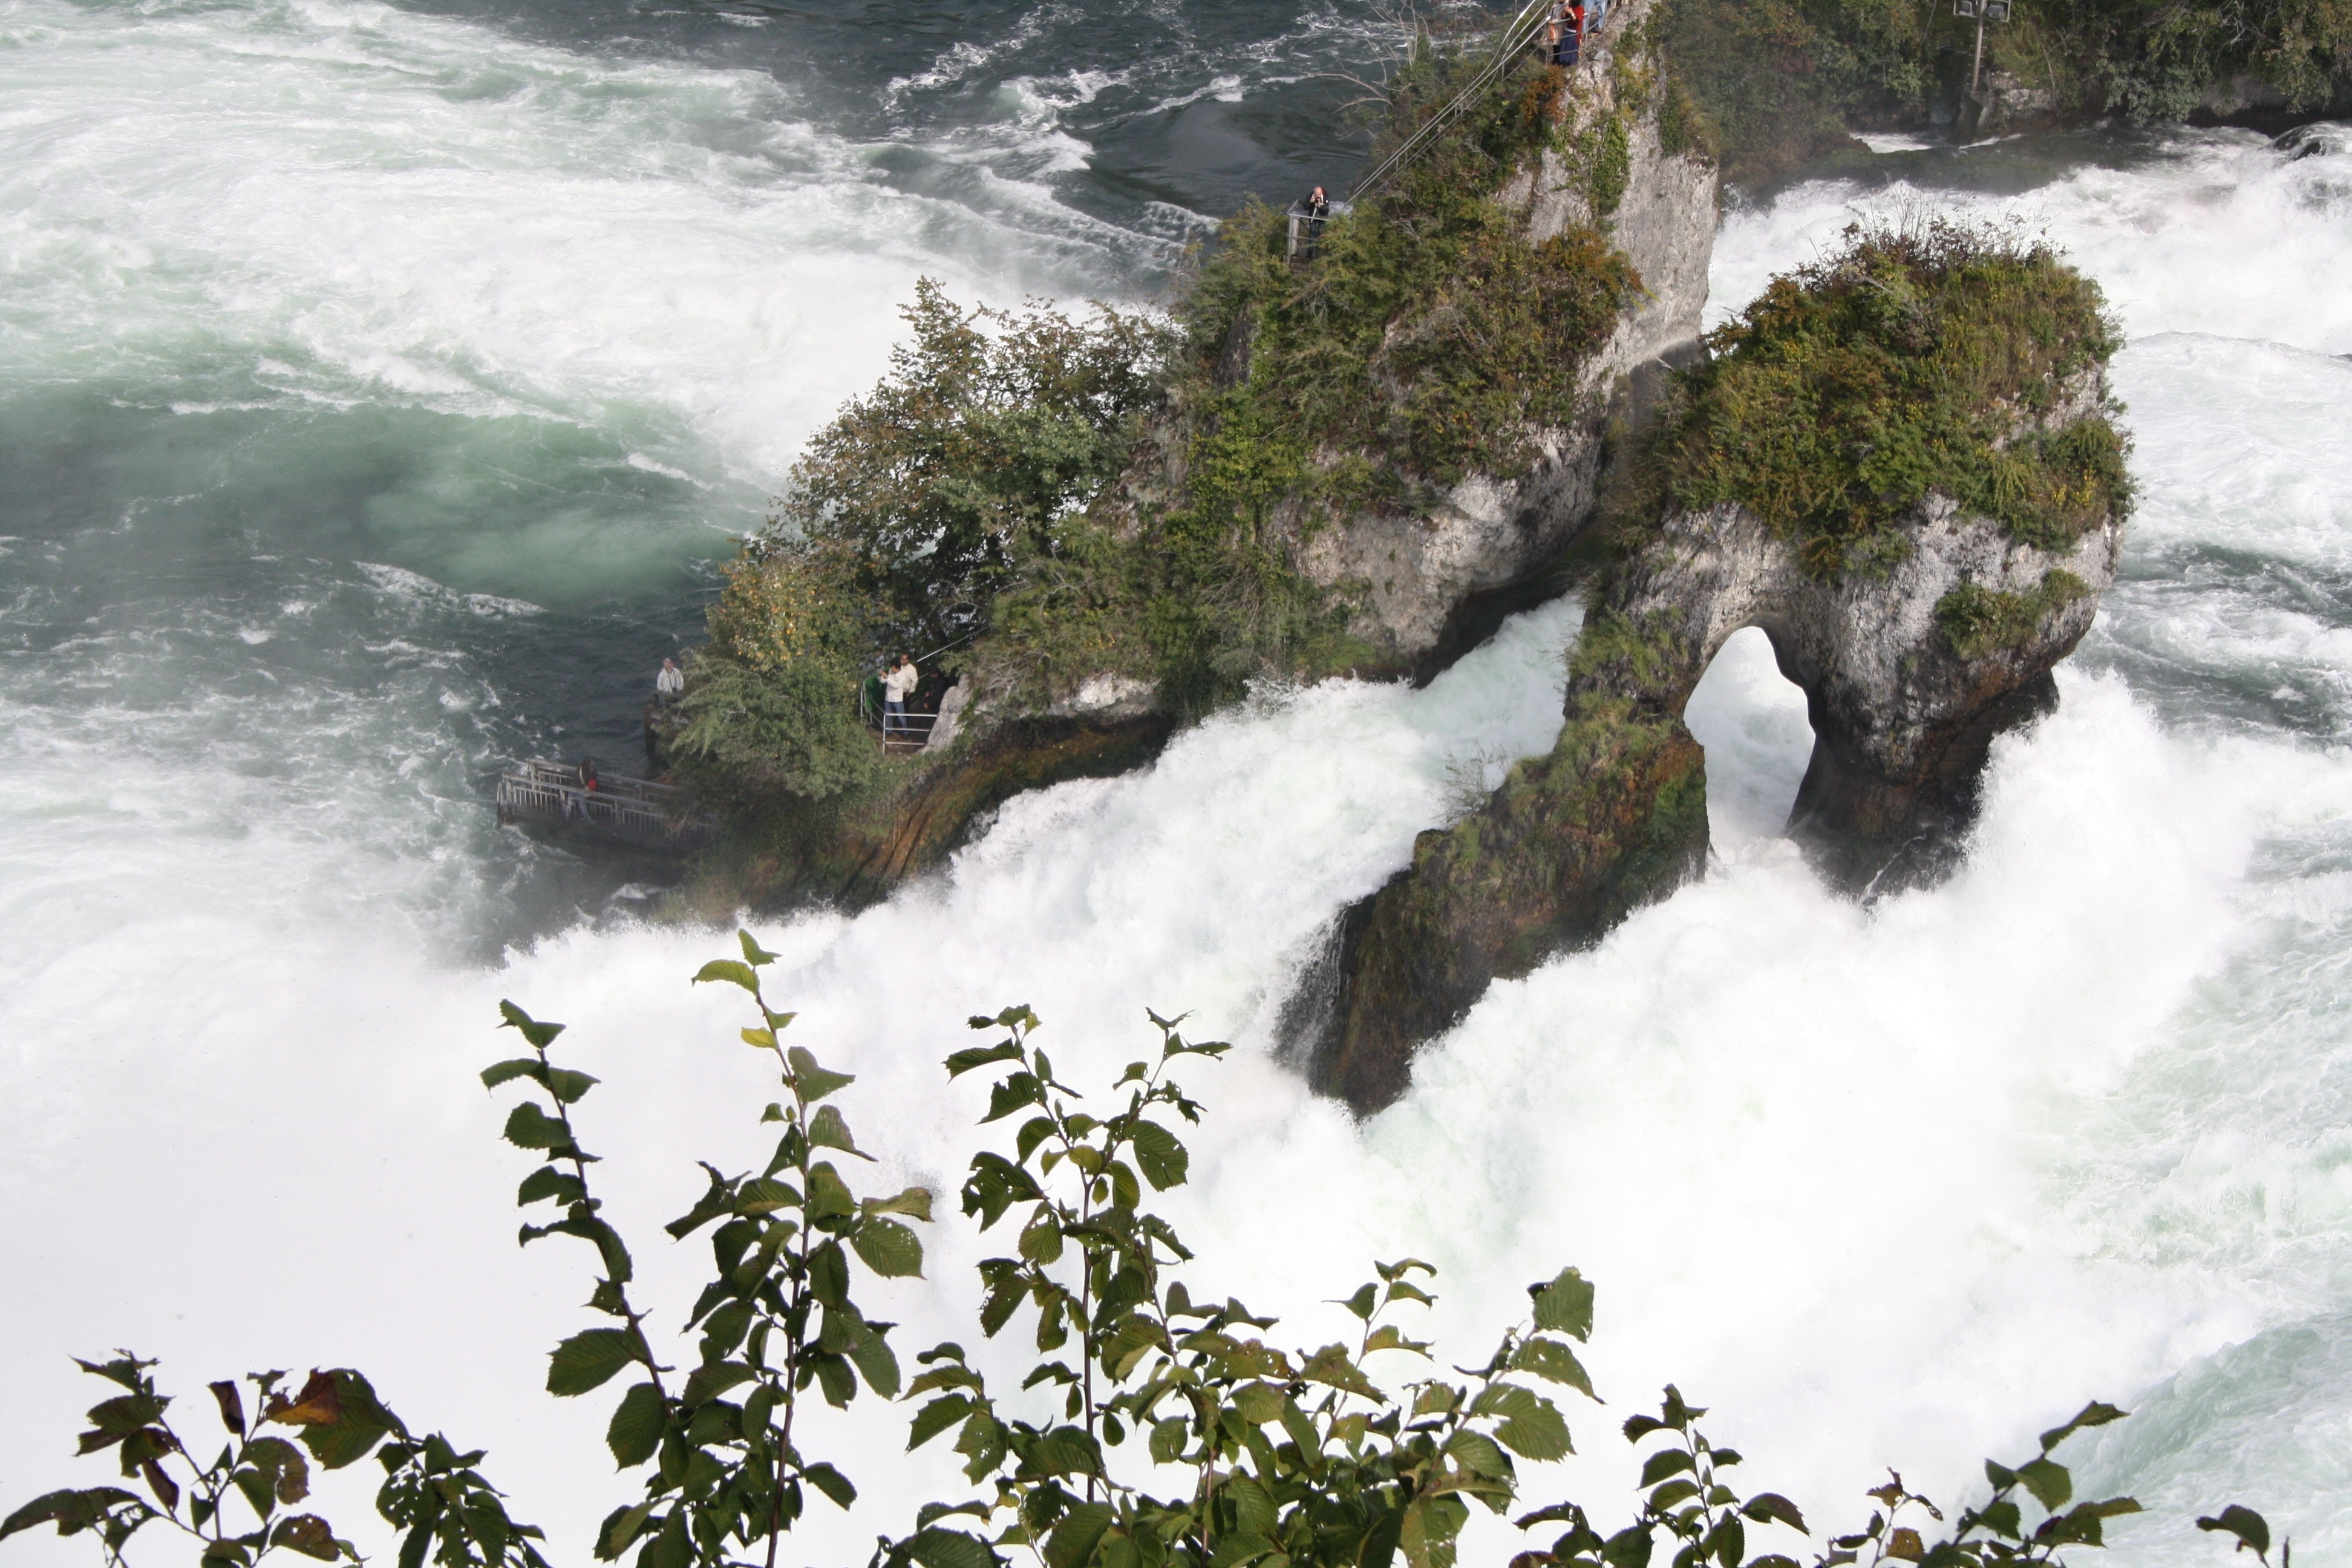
[(1920, 359), (772, 703)]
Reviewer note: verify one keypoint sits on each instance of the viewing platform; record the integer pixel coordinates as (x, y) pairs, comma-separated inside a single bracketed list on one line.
[(619, 813)]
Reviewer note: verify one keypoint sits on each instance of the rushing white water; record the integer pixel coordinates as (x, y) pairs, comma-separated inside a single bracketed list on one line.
[(1898, 1185)]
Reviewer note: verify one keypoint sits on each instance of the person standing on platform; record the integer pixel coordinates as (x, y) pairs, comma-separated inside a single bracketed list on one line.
[(670, 684), (896, 688)]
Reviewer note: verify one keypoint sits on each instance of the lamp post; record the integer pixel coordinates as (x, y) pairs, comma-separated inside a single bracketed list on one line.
[(1983, 11)]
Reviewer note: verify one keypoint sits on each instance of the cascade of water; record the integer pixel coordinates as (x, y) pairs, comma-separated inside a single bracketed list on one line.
[(365, 355)]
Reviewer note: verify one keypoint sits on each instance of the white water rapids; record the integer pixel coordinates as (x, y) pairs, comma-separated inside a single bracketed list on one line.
[(1897, 1186)]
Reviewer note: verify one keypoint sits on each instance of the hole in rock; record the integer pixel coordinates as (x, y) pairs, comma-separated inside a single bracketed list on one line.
[(1751, 720)]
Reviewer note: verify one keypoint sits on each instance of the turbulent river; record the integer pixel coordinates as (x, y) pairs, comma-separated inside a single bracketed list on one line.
[(379, 388)]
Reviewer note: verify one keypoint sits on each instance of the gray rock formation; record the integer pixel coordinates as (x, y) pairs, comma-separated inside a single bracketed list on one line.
[(1909, 672), (1434, 583)]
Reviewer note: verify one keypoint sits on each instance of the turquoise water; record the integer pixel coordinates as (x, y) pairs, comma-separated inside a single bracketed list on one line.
[(379, 388)]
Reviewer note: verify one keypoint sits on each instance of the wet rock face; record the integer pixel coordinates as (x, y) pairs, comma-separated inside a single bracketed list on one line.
[(1903, 708), (1908, 674)]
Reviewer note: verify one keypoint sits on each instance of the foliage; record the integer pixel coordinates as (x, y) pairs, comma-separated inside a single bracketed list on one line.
[(990, 430), (1916, 360), (1425, 339), (1777, 80), (771, 704), (238, 1506), (1428, 334), (1977, 620), (1284, 1456)]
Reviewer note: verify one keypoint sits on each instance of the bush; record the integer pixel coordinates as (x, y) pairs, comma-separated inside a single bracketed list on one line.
[(1916, 360), (772, 703), (993, 429), (1282, 1456)]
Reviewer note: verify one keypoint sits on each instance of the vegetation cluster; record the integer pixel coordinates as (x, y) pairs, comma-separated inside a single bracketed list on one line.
[(1155, 1425), (1924, 358), (1779, 80), (1039, 499)]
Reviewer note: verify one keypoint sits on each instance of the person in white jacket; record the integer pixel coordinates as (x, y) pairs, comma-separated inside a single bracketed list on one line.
[(670, 684), (897, 687)]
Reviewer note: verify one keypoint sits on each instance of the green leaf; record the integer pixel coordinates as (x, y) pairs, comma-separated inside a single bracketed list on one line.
[(1478, 1454), (540, 1036), (914, 1202), (1553, 1360), (1629, 1548), (963, 1061), (546, 1183), (709, 1380), (758, 1195), (889, 1248), (877, 1363), (755, 955), (2091, 1415), (1167, 1441), (1331, 1365), (1531, 1427), (1011, 1093), (588, 1360), (2250, 1528), (621, 1528), (731, 972), (72, 1511), (307, 1534), (528, 1127), (281, 1468), (1074, 1540), (1159, 1156), (1565, 1306), (1669, 1493), (569, 1086), (828, 1130), (936, 1417), (636, 1427), (812, 1082), (1363, 1302), (936, 1547), (1768, 1507), (828, 1194), (2048, 1481), (832, 1483), (1665, 1463), (506, 1071)]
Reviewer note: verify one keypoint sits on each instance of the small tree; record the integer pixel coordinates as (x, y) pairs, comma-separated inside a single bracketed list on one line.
[(991, 427)]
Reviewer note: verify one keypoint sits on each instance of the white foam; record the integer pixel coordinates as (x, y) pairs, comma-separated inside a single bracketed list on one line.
[(1896, 1186), (2212, 231)]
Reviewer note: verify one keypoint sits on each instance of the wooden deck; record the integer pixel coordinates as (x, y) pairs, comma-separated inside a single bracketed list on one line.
[(623, 813)]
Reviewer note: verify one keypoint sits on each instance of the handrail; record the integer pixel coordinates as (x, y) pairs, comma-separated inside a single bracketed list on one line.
[(1519, 32), (638, 811)]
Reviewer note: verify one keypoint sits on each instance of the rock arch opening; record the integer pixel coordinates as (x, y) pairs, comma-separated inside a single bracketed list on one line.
[(1751, 721)]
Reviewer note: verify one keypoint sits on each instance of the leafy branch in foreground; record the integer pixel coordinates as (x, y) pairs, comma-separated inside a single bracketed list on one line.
[(236, 1506), (776, 1318), (1154, 1429)]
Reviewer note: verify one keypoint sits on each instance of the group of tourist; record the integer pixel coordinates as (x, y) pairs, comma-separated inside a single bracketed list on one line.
[(1565, 27)]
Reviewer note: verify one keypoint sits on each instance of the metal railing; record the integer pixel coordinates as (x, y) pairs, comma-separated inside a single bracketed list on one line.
[(1516, 35), (906, 731), (1519, 33), (638, 812)]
